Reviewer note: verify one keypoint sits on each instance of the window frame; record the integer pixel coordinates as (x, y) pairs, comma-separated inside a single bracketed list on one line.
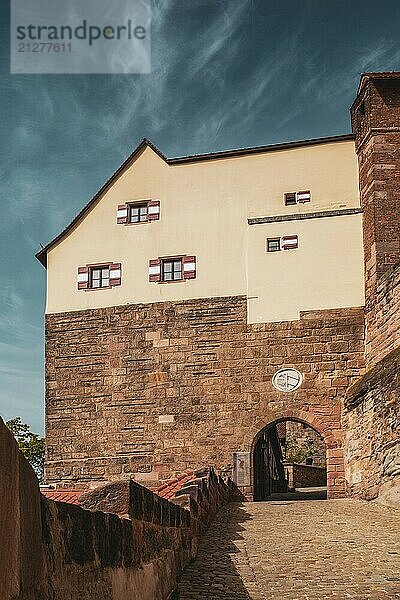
[(101, 267), (139, 204), (270, 240), (171, 259), (285, 197)]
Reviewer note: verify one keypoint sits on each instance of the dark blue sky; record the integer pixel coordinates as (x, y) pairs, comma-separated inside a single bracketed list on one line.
[(225, 74)]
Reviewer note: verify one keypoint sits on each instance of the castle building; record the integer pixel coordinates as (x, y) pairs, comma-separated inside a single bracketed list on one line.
[(197, 301)]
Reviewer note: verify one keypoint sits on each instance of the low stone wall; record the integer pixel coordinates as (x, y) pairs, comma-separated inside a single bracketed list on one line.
[(200, 499), (303, 476), (54, 550), (371, 424)]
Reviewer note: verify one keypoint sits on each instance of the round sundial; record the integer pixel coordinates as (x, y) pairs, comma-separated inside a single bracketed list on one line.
[(287, 380)]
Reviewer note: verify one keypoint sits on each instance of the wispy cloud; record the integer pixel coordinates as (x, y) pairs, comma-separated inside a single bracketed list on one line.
[(21, 360), (225, 73)]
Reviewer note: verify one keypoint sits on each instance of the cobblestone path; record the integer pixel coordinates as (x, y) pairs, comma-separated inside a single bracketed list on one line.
[(312, 550)]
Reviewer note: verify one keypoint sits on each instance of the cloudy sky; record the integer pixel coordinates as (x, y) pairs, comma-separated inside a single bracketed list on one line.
[(225, 74)]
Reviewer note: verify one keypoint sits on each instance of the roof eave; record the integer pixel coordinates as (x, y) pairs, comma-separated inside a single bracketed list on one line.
[(42, 254), (260, 149)]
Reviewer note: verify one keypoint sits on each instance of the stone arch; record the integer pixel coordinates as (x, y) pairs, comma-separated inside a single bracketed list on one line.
[(330, 432)]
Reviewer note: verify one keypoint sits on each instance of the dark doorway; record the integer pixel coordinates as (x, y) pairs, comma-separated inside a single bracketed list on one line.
[(269, 473), (289, 462)]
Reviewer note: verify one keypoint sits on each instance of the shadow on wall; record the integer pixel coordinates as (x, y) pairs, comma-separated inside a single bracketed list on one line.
[(55, 550), (213, 573)]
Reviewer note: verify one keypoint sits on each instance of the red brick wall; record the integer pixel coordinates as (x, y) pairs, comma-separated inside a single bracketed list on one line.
[(155, 389), (376, 123), (371, 418)]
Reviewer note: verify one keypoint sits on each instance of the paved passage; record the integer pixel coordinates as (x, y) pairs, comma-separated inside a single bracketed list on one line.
[(285, 550)]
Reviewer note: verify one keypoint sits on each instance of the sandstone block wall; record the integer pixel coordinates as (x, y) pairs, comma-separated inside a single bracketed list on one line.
[(152, 390), (54, 550), (303, 476), (371, 422), (383, 318)]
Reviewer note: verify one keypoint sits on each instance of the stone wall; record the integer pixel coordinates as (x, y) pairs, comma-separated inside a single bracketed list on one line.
[(303, 476), (202, 497), (151, 390), (371, 416), (55, 550), (383, 318), (376, 123), (371, 409), (371, 422), (21, 558)]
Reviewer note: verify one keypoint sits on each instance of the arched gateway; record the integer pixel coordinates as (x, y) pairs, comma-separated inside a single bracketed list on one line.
[(328, 429)]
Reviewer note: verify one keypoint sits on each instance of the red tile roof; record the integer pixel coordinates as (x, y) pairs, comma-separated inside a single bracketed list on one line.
[(68, 496), (168, 489)]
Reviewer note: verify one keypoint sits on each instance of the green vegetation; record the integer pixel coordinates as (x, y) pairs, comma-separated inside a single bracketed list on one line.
[(296, 452), (31, 445)]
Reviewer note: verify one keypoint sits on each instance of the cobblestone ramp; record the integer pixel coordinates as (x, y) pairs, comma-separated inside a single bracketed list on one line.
[(336, 549)]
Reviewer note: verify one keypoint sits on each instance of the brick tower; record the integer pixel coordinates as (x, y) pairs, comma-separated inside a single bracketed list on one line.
[(375, 117)]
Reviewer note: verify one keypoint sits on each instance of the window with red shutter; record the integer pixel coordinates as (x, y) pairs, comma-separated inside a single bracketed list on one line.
[(96, 277), (141, 211), (99, 277), (155, 270), (83, 278), (173, 268), (289, 242), (122, 214), (189, 267), (303, 197), (138, 213), (273, 244), (115, 274), (291, 198)]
